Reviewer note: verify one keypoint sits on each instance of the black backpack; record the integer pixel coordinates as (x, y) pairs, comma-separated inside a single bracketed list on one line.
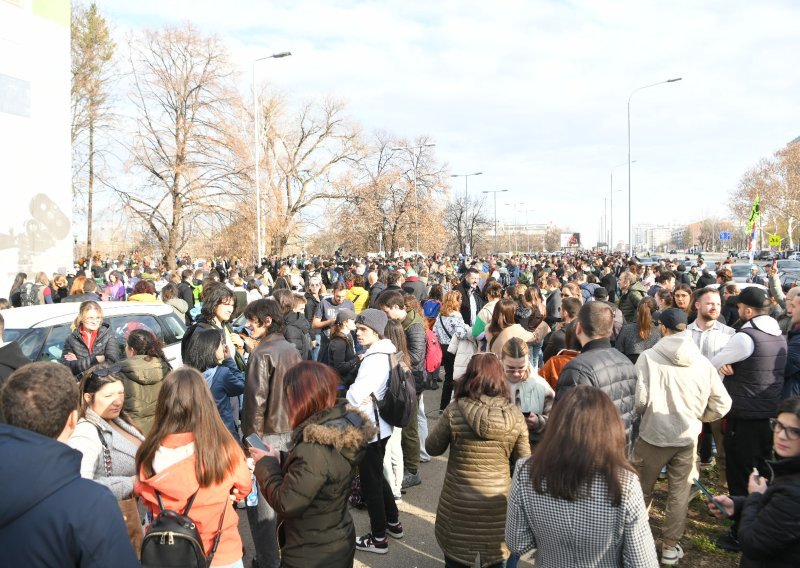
[(399, 405), (173, 541), (29, 294)]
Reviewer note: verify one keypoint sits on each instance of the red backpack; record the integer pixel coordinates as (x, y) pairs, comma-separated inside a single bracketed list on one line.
[(433, 351)]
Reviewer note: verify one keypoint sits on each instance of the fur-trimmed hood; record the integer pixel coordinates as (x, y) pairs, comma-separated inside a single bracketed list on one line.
[(342, 427)]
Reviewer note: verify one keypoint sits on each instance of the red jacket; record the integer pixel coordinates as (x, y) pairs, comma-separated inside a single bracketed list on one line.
[(176, 484)]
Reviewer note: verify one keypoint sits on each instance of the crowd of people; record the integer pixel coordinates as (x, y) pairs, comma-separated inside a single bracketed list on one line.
[(568, 384)]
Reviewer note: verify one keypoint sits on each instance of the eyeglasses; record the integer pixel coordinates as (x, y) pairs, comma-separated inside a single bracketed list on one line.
[(105, 371), (776, 426), (92, 319)]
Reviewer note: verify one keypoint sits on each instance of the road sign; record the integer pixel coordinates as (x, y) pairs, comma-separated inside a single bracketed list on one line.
[(774, 241), (725, 236)]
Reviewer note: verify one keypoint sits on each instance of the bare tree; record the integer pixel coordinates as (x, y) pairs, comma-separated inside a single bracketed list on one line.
[(306, 159), (92, 52), (184, 97), (467, 223)]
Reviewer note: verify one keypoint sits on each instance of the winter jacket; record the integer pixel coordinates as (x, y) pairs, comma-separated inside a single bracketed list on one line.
[(415, 338), (374, 292), (677, 389), (142, 376), (449, 328), (78, 298), (373, 374), (629, 300), (600, 365), (264, 410), (298, 333), (630, 342), (534, 398), (104, 344), (179, 306), (144, 297), (484, 437), (11, 359), (768, 521), (588, 531), (552, 368), (176, 481), (536, 338), (225, 381), (776, 290), (730, 311), (466, 292), (309, 489), (791, 376), (360, 298), (51, 516), (553, 307), (342, 357), (466, 348), (416, 287), (312, 303), (86, 439)]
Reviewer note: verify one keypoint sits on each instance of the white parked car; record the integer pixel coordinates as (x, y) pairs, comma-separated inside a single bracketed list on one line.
[(743, 254), (42, 330)]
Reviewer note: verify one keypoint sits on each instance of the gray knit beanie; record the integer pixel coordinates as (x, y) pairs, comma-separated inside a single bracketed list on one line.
[(373, 319)]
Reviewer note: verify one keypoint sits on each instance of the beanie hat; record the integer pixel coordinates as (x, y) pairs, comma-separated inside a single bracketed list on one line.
[(754, 297), (374, 319)]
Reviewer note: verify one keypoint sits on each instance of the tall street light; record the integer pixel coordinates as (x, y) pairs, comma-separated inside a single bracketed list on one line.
[(495, 192), (256, 137), (630, 225), (466, 181), (611, 208), (415, 162)]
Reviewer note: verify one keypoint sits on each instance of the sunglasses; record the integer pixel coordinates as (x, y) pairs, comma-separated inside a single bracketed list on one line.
[(776, 426), (105, 371)]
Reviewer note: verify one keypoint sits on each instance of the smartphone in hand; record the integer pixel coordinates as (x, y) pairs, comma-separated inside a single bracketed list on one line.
[(710, 497), (254, 441)]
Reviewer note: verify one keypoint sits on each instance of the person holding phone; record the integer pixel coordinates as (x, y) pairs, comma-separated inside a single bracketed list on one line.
[(770, 514), (309, 486)]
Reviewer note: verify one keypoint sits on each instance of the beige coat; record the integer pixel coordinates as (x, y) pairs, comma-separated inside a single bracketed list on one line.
[(486, 437)]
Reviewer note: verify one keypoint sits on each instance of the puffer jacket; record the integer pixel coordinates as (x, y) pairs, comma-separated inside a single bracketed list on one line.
[(768, 521), (142, 376), (342, 357), (225, 382), (485, 437), (629, 300), (104, 344), (360, 298), (298, 333), (415, 338), (600, 365), (309, 489)]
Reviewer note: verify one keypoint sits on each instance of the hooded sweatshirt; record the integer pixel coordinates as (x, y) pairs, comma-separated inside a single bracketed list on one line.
[(50, 515), (372, 378), (676, 390), (175, 479)]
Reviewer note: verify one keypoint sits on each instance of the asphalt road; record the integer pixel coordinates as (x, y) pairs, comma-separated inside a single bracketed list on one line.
[(418, 548)]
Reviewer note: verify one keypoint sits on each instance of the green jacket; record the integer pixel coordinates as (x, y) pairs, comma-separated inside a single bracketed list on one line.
[(629, 300), (142, 378), (309, 489)]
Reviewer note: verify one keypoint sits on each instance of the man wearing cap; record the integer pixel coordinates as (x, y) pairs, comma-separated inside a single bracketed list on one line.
[(754, 278), (753, 363), (414, 286), (372, 379), (710, 335), (676, 390)]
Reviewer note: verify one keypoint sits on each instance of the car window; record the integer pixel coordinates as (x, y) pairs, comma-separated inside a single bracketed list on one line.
[(54, 345), (123, 325), (29, 340), (174, 328)]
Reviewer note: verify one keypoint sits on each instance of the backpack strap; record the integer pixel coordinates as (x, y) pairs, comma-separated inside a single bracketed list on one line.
[(375, 398), (218, 535)]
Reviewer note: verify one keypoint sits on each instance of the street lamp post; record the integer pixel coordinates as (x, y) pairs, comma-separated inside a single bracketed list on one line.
[(495, 192), (415, 162), (610, 226), (256, 137), (630, 225), (466, 180)]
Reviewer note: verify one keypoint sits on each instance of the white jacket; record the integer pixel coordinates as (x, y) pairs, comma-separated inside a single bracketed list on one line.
[(676, 390), (372, 378)]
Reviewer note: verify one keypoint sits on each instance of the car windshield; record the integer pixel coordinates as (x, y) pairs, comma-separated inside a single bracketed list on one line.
[(789, 265), (743, 270)]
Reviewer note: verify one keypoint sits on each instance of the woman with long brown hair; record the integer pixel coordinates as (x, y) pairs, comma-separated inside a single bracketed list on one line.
[(642, 334), (592, 483), (485, 432), (309, 486), (189, 454), (504, 326)]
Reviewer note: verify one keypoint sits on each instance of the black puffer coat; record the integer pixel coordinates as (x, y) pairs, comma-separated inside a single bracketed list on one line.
[(309, 489), (768, 522), (298, 333), (600, 365), (105, 344), (342, 357)]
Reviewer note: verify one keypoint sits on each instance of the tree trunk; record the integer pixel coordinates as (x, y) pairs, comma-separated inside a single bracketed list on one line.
[(90, 192)]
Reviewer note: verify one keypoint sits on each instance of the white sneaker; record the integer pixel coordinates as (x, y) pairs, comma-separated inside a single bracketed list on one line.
[(671, 554)]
